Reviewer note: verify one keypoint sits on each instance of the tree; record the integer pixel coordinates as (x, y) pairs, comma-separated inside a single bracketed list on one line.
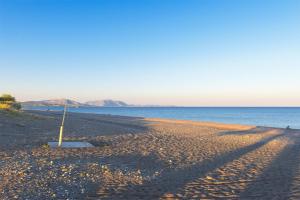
[(8, 102)]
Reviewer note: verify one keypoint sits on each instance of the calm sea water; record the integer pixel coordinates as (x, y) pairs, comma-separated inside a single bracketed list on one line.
[(274, 117)]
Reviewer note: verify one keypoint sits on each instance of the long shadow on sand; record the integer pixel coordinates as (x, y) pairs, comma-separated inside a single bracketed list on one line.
[(127, 163), (276, 182), (172, 180), (35, 128), (255, 130)]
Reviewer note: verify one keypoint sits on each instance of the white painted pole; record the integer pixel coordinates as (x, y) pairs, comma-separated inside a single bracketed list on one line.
[(62, 127)]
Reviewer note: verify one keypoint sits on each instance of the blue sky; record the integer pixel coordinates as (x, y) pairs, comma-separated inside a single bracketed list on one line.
[(168, 52)]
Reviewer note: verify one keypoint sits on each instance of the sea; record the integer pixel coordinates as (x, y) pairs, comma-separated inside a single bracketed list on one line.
[(280, 117)]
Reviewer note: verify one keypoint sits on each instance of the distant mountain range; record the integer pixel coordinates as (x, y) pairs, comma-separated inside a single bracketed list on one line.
[(106, 103), (71, 103)]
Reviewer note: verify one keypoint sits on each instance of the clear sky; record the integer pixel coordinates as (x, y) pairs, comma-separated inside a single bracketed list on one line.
[(168, 52)]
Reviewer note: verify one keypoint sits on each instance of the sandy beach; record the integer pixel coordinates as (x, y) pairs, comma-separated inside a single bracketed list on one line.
[(138, 158)]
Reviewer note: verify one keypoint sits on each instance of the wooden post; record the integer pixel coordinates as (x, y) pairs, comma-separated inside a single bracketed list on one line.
[(62, 127)]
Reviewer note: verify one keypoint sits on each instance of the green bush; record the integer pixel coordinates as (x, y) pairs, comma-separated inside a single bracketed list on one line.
[(8, 102)]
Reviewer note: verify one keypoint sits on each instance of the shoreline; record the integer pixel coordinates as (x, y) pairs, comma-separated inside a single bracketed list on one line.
[(144, 158), (201, 122)]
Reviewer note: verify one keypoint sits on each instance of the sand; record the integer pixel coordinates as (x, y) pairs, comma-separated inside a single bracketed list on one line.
[(139, 158)]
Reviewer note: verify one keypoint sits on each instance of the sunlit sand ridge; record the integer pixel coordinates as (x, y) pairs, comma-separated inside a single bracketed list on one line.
[(138, 158)]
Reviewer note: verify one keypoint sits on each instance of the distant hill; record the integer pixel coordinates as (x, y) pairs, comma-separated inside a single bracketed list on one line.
[(53, 102), (107, 103), (71, 103)]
